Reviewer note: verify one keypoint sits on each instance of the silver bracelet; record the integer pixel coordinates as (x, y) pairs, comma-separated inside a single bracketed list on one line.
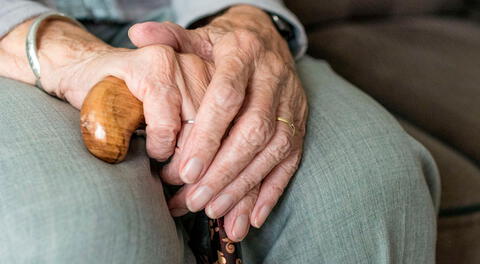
[(31, 43)]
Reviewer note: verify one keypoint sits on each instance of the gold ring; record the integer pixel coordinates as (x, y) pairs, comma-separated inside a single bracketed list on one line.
[(290, 124)]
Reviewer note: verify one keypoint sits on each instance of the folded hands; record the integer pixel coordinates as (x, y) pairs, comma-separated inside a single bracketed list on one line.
[(234, 77)]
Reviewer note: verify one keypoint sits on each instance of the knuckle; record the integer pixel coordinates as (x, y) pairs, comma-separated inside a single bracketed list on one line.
[(237, 64), (247, 183), (164, 136), (227, 98), (159, 83), (282, 146), (276, 191), (225, 175), (156, 53), (288, 168), (159, 154), (167, 90), (286, 70), (257, 131), (251, 38), (254, 192), (208, 139), (276, 63), (250, 199)]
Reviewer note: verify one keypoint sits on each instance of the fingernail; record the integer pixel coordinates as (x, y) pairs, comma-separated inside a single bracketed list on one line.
[(192, 170), (176, 212), (240, 227), (262, 216), (199, 198), (219, 206)]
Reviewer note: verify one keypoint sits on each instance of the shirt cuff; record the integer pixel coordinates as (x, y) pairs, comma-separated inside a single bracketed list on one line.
[(14, 13), (189, 11)]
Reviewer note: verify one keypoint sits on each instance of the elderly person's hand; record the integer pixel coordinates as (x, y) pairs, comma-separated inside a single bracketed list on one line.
[(237, 145), (170, 85)]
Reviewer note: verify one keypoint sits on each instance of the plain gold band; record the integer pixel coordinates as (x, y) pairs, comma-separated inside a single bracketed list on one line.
[(286, 121)]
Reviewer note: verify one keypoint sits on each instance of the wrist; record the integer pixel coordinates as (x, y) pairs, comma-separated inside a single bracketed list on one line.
[(61, 47), (248, 17)]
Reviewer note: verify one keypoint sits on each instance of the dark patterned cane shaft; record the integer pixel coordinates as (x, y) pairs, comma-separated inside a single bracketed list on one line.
[(227, 251)]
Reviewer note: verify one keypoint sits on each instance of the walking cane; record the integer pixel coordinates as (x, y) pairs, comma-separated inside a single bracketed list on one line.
[(109, 116)]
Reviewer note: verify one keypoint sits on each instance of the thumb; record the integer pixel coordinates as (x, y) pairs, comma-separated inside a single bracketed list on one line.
[(170, 34)]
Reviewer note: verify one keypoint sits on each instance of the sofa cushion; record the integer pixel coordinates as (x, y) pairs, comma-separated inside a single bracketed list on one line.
[(457, 239), (459, 219), (460, 178), (426, 70), (474, 10), (312, 12)]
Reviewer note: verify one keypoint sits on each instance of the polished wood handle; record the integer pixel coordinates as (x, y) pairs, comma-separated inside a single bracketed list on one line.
[(109, 116)]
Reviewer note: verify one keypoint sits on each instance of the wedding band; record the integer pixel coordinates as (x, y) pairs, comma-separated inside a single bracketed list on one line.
[(188, 121), (286, 121)]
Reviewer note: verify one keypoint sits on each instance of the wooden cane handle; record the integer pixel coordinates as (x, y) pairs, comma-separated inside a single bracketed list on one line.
[(109, 116)]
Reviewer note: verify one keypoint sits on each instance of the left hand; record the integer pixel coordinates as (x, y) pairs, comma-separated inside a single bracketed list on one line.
[(240, 175)]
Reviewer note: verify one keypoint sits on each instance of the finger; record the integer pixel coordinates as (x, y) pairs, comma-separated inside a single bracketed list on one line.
[(162, 123), (272, 188), (274, 184), (158, 88), (176, 204), (249, 135), (169, 173), (221, 103), (150, 33), (276, 151), (170, 34), (237, 221), (197, 74)]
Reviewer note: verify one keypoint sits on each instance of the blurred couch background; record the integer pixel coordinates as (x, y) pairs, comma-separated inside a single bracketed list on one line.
[(421, 60)]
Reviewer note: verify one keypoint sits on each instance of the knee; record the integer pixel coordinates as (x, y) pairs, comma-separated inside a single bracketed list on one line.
[(369, 185), (372, 169), (366, 197), (369, 189), (356, 153), (59, 204), (103, 217)]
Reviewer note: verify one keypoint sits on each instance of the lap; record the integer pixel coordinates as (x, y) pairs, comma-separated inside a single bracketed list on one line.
[(365, 191), (59, 204)]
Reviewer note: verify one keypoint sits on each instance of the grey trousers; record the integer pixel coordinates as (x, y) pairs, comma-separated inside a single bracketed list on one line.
[(365, 192)]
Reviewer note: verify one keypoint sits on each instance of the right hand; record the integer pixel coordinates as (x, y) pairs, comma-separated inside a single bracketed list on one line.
[(170, 85), (72, 61)]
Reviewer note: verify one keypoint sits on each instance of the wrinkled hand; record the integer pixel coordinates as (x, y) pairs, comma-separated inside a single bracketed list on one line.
[(170, 85), (239, 158)]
